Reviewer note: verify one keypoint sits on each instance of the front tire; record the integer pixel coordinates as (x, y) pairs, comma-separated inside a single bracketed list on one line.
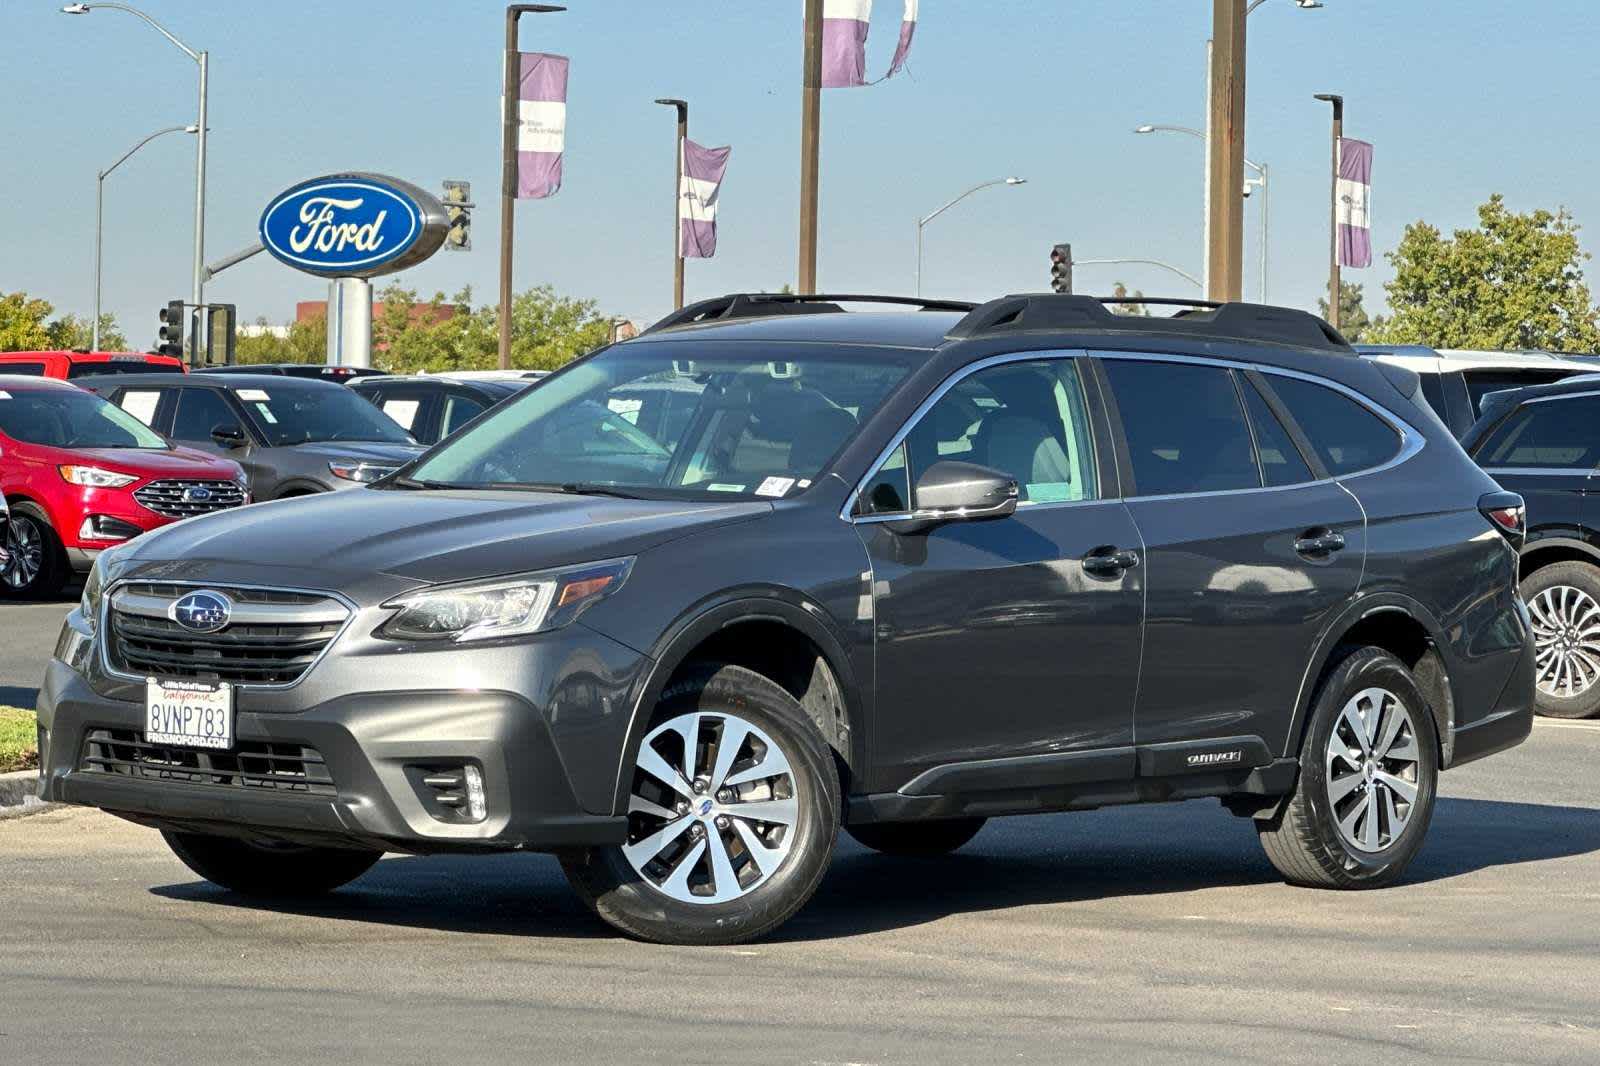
[(270, 871), (1564, 603), (732, 817), (916, 839), (38, 562), (1369, 772)]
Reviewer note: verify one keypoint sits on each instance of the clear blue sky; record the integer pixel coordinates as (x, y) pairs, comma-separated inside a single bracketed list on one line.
[(1461, 99)]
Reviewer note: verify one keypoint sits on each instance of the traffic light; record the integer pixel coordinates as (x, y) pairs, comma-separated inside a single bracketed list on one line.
[(172, 329), (458, 209), (220, 321), (1061, 268)]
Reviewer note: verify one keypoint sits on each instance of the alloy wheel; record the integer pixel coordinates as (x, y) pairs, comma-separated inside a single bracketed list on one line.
[(713, 812), (1566, 637), (1372, 769), (25, 545)]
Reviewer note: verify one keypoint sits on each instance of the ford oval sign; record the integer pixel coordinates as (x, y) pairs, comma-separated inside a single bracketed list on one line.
[(353, 225)]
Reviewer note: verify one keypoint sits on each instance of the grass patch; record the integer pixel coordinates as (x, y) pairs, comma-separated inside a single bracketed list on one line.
[(18, 740)]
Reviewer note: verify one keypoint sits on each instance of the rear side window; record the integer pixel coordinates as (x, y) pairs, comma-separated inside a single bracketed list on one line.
[(141, 404), (1186, 431), (1281, 461), (32, 370), (1347, 437), (1551, 433)]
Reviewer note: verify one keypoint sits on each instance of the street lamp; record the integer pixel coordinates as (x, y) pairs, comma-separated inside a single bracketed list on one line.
[(1258, 182), (197, 289), (923, 221), (99, 214)]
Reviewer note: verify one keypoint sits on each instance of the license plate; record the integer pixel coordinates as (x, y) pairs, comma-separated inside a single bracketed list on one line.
[(188, 714)]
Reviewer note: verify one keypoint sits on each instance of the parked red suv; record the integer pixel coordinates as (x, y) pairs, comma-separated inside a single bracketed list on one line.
[(72, 365), (82, 475)]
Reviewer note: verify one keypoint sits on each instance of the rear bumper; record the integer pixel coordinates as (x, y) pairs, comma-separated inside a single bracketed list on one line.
[(1508, 724)]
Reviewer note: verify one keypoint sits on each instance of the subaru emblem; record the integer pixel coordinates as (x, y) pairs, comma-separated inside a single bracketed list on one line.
[(201, 612)]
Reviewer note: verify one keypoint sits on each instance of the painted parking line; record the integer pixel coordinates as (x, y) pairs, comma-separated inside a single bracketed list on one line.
[(1555, 723)]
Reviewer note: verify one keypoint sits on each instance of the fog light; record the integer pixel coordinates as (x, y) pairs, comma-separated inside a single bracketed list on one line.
[(477, 806), (104, 527)]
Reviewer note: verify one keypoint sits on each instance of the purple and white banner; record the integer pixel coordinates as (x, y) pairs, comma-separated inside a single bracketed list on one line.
[(1355, 196), (541, 124), (703, 169), (844, 42)]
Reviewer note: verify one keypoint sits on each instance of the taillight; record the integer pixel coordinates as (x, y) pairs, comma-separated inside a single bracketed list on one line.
[(1507, 513)]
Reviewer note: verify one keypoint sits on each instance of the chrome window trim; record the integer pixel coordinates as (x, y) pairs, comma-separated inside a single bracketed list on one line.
[(1542, 471), (105, 621), (1411, 441)]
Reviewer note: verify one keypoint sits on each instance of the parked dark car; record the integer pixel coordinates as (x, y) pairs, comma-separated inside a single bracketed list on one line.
[(1543, 443), (899, 571), (292, 436), (432, 406), (343, 375)]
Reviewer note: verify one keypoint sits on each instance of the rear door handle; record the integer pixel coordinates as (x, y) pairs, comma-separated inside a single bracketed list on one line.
[(1110, 561), (1319, 542)]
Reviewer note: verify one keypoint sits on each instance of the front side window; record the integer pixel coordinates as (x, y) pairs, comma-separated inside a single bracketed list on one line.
[(674, 420), (67, 418), (458, 411), (1346, 436), (1185, 429), (1552, 433), (199, 412), (302, 413)]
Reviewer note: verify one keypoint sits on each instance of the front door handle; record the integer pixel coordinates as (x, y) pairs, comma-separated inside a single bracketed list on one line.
[(1110, 561), (1319, 542)]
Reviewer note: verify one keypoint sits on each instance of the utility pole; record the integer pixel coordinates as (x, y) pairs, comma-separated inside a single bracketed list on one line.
[(677, 200), (810, 143), (1225, 207), (1333, 208), (510, 120)]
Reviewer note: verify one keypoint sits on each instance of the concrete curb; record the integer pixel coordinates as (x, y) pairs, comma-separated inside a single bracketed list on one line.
[(19, 794)]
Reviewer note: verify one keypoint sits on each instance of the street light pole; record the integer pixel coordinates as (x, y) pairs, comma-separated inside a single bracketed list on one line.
[(99, 218), (1259, 182), (677, 200), (1184, 274), (1333, 208), (197, 288), (924, 220)]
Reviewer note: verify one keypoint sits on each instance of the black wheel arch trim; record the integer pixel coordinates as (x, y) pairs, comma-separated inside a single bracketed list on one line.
[(695, 625), (1537, 543)]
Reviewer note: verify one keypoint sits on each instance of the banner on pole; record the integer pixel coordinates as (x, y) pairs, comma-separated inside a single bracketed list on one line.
[(541, 124), (1355, 197), (703, 169), (844, 42)]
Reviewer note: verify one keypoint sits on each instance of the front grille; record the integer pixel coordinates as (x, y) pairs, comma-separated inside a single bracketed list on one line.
[(273, 767), (173, 497), (143, 642)]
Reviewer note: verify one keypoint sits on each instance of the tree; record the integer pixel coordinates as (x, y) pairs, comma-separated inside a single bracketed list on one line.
[(70, 331), (23, 323), (1353, 320), (307, 342), (1515, 281)]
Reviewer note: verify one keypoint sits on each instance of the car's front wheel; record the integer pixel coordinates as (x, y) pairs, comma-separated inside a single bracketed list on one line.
[(732, 815), (1369, 769), (270, 870), (37, 563)]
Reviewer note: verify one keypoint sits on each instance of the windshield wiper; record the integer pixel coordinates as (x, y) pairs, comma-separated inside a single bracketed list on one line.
[(413, 483), (571, 488)]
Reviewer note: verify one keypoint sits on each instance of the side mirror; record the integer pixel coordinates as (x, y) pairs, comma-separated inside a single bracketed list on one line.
[(228, 436), (952, 491)]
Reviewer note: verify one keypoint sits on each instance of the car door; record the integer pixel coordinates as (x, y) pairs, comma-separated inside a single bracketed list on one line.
[(1014, 637), (1547, 450), (1246, 560)]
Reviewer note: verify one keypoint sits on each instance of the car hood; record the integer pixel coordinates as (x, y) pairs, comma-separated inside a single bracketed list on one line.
[(373, 543), (151, 462), (360, 450)]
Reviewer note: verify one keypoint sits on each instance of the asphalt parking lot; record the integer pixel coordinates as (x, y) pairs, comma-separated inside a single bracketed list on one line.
[(1155, 934)]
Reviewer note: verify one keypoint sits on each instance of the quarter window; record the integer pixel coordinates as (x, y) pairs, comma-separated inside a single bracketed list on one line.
[(1346, 436), (1551, 433), (1185, 429)]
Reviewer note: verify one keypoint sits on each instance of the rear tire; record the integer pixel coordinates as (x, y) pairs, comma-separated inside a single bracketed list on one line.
[(1369, 771), (38, 563), (916, 839), (270, 871), (1563, 600)]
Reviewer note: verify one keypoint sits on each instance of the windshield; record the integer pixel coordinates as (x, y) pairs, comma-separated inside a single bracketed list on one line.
[(67, 418), (672, 420), (302, 413)]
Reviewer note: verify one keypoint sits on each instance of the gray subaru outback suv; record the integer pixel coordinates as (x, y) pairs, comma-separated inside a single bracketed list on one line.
[(705, 597)]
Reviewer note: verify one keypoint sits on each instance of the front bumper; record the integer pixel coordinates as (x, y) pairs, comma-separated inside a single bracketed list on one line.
[(378, 746)]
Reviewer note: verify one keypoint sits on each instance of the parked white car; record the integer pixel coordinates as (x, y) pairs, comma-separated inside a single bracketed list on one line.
[(1455, 380)]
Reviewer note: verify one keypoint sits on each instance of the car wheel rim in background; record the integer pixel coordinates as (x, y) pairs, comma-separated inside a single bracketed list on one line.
[(714, 810), (1372, 769), (1566, 636), (26, 548)]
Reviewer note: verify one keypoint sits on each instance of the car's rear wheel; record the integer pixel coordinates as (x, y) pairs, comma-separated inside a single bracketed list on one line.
[(38, 562), (917, 838), (1369, 769), (1564, 602), (732, 816), (270, 870)]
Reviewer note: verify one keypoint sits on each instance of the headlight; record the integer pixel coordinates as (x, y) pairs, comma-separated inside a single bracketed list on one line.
[(504, 607), (95, 478), (362, 472)]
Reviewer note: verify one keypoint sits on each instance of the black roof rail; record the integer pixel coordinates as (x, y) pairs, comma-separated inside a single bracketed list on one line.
[(1053, 312), (758, 304)]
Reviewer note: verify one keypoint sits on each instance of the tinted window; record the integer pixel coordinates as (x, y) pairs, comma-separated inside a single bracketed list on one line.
[(1186, 431), (116, 366), (294, 412), (1433, 389), (68, 418), (1281, 462), (1558, 433), (141, 404), (1482, 382), (199, 412), (458, 411), (1347, 437), (31, 370), (889, 490)]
